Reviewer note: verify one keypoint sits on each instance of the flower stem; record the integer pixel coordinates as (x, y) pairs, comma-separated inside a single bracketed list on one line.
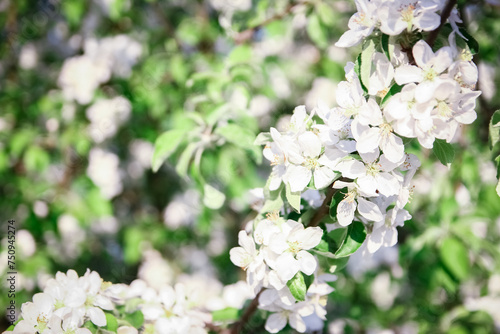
[(445, 14), (324, 208), (238, 326)]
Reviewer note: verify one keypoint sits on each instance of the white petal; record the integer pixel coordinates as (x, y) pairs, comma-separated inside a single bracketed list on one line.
[(369, 140), (422, 53), (246, 241), (275, 322), (307, 262), (375, 240), (407, 73), (345, 212), (239, 257), (287, 266), (351, 168), (323, 176), (369, 210), (97, 316), (298, 177), (307, 238), (425, 91), (310, 144), (393, 147), (297, 323)]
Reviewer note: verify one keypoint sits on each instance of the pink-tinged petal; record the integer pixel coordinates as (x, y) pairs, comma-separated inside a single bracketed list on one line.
[(298, 177), (369, 140), (375, 240), (345, 212), (393, 147), (275, 322), (297, 323), (307, 262), (97, 316), (369, 210), (287, 266), (407, 73), (310, 144), (323, 176)]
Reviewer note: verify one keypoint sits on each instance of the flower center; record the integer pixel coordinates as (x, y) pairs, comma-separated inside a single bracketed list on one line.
[(385, 129), (430, 74), (294, 247), (373, 169), (350, 196), (278, 160), (310, 163), (407, 14), (41, 323), (465, 55), (273, 216), (444, 110)]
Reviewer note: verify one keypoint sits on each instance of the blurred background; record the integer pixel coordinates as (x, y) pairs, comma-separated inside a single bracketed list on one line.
[(87, 87)]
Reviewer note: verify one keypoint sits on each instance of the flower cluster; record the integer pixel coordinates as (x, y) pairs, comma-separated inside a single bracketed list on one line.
[(72, 304), (358, 149)]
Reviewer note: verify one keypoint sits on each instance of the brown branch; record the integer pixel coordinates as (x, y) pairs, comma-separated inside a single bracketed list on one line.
[(445, 14), (324, 208), (238, 326), (247, 34)]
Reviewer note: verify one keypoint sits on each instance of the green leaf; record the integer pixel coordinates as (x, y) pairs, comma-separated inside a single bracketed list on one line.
[(90, 326), (366, 61), (392, 91), (185, 158), (494, 129), (316, 31), (356, 234), (336, 199), (165, 145), (293, 198), (335, 265), (444, 151), (298, 287), (240, 137), (111, 322), (213, 198), (385, 45), (136, 319), (471, 41), (455, 258), (498, 188), (336, 238), (227, 314), (240, 54), (325, 13), (263, 138)]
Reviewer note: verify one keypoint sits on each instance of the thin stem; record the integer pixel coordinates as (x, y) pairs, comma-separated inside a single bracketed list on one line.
[(324, 208), (445, 14), (238, 326)]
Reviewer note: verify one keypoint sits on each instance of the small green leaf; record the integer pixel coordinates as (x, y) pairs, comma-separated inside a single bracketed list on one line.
[(392, 91), (185, 158), (356, 235), (316, 31), (213, 198), (227, 314), (494, 129), (337, 264), (326, 13), (136, 319), (240, 137), (498, 188), (111, 322), (336, 239), (444, 151), (297, 286), (471, 41), (263, 138), (293, 198), (165, 145), (385, 45), (240, 54), (455, 258), (366, 61)]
